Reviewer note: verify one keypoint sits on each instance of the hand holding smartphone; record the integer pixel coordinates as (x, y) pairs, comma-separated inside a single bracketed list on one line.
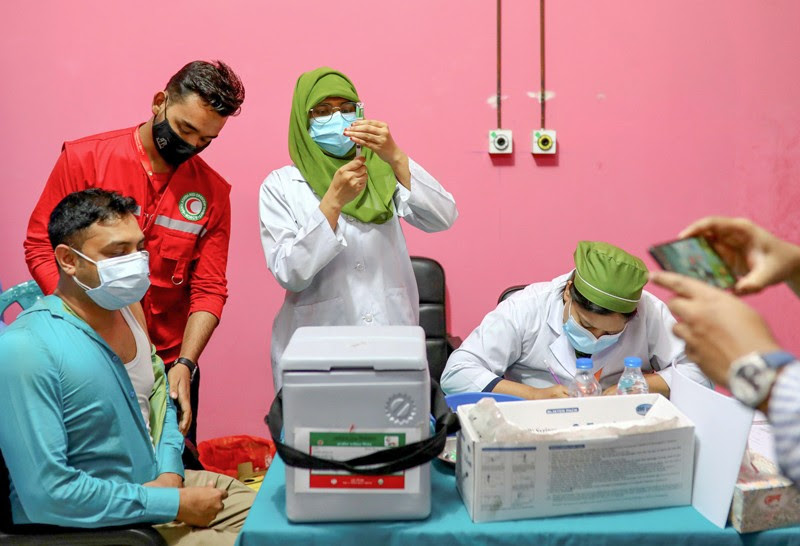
[(694, 257)]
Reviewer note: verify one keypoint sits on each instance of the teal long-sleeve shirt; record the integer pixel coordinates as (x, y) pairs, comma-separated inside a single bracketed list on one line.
[(71, 431)]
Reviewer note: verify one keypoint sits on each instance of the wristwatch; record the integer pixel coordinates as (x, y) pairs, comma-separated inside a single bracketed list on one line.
[(751, 376), (189, 364)]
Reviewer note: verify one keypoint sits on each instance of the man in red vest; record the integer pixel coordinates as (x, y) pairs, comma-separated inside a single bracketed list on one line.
[(184, 212)]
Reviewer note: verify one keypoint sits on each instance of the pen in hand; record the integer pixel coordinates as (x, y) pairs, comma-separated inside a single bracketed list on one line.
[(552, 373)]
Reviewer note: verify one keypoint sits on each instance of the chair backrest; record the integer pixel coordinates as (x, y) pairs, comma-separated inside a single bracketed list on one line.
[(432, 317), (25, 294), (510, 290)]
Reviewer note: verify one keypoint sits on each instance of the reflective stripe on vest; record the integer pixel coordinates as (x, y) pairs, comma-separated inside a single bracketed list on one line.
[(180, 225)]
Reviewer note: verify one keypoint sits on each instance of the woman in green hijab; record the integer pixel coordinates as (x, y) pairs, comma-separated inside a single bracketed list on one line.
[(330, 222)]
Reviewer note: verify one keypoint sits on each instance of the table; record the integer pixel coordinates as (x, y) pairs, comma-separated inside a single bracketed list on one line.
[(449, 524)]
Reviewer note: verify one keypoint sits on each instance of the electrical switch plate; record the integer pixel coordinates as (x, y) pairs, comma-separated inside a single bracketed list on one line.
[(543, 141), (500, 141)]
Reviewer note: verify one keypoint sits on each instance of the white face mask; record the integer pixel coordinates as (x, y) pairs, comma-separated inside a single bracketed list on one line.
[(123, 280)]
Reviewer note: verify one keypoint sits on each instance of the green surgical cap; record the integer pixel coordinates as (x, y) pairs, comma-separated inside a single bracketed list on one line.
[(608, 276)]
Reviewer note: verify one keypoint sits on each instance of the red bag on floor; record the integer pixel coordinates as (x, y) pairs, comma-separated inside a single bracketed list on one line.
[(224, 455)]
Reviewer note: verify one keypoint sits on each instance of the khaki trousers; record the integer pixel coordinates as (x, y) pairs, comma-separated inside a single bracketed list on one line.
[(227, 524)]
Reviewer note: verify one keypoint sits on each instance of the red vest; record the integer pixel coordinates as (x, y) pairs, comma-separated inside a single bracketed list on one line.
[(186, 225)]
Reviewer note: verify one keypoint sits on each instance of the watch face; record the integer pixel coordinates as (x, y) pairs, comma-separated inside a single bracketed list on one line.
[(751, 380)]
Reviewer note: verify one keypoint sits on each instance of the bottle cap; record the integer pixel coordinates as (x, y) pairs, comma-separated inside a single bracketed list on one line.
[(633, 362), (584, 364)]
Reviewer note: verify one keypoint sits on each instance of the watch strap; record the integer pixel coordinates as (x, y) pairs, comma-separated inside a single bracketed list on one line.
[(776, 359), (188, 363)]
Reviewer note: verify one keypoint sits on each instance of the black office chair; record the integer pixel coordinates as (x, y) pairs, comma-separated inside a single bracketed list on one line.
[(510, 290), (432, 315)]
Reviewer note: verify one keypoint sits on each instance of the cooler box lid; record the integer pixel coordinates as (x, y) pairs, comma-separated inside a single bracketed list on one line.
[(380, 348)]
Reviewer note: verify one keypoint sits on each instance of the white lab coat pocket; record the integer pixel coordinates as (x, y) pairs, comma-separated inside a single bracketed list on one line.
[(399, 310), (324, 313)]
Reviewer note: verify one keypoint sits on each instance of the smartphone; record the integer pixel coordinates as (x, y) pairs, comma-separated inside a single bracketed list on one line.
[(694, 257), (359, 115)]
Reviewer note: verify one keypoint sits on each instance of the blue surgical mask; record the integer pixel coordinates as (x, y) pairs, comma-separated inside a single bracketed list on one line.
[(583, 340), (123, 280), (330, 135)]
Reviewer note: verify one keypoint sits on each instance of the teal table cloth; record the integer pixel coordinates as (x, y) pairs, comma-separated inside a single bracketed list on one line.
[(449, 524)]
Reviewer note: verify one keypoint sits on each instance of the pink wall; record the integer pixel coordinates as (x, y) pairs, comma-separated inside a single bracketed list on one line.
[(665, 111)]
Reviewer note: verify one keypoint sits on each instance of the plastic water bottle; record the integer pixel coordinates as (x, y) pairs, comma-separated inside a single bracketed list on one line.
[(632, 381), (584, 383)]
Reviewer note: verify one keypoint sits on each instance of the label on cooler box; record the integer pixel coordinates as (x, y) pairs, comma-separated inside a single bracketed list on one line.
[(342, 445)]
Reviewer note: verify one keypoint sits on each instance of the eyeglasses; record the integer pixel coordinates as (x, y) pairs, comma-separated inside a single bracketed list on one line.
[(323, 113)]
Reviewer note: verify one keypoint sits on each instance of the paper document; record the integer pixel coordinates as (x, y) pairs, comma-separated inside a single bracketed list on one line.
[(721, 428), (761, 439)]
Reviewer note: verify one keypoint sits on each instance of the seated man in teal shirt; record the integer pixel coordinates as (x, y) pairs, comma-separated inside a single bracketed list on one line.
[(87, 430)]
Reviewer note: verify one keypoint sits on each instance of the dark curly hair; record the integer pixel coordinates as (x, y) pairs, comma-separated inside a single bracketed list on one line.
[(79, 210), (215, 82)]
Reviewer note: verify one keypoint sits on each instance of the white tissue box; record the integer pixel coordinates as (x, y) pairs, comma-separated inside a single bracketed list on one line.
[(552, 476), (764, 501)]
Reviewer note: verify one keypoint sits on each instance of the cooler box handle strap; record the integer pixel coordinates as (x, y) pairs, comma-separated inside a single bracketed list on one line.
[(385, 461)]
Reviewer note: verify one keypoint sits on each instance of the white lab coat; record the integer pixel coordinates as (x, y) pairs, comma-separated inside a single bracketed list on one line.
[(360, 274), (525, 334)]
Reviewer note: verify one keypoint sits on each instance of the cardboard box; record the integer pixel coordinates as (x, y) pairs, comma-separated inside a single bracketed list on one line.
[(349, 391), (557, 477)]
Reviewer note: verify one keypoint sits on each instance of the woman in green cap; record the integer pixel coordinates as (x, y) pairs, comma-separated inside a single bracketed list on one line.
[(529, 344), (329, 222)]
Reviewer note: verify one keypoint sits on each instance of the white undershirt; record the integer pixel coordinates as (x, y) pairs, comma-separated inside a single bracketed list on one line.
[(140, 369)]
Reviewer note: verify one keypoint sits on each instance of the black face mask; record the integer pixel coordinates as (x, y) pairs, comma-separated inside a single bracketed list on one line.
[(171, 147)]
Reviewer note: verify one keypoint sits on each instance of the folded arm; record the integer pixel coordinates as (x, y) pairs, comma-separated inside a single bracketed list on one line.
[(426, 205), (483, 358), (296, 249)]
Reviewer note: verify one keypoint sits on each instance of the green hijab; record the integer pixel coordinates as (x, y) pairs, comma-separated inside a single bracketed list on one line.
[(374, 204)]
